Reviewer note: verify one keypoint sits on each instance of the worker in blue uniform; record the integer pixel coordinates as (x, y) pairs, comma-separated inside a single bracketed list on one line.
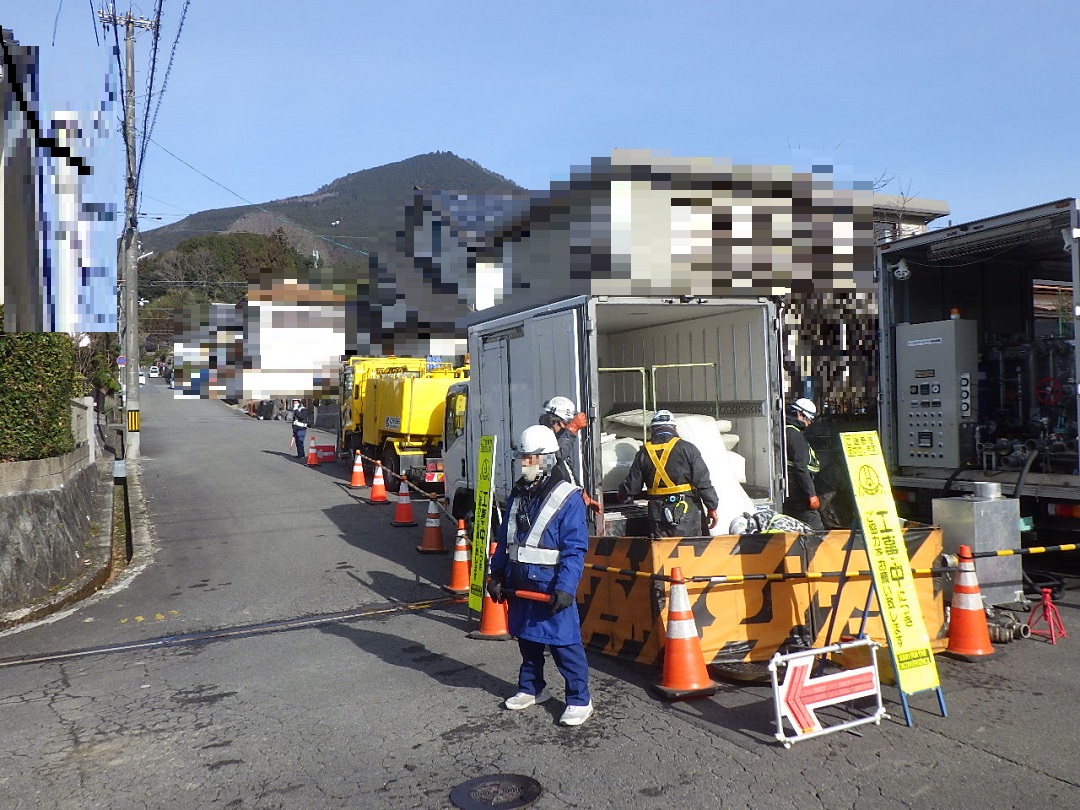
[(541, 548)]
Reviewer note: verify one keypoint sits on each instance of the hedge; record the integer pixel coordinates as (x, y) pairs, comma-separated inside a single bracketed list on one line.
[(37, 381)]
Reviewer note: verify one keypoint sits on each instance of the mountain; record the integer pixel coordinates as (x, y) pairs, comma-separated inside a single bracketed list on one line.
[(365, 205)]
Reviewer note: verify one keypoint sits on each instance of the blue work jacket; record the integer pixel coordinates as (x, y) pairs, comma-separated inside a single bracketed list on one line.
[(567, 532)]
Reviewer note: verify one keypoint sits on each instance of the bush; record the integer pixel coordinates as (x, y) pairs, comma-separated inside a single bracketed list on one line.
[(37, 381)]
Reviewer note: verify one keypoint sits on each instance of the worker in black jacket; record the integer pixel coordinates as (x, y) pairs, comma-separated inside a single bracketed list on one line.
[(802, 500), (676, 482)]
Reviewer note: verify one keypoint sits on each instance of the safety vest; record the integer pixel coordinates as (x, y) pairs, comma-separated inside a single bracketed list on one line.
[(814, 466), (529, 551), (662, 483)]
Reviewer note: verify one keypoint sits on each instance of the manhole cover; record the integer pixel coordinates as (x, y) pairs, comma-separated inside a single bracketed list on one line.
[(504, 791)]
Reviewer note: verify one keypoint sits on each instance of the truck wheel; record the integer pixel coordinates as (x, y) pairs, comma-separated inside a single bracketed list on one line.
[(370, 453), (390, 461)]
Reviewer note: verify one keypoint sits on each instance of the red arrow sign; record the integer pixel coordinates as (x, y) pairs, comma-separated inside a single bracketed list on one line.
[(801, 694)]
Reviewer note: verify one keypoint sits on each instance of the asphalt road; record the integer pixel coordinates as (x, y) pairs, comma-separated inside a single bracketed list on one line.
[(394, 707)]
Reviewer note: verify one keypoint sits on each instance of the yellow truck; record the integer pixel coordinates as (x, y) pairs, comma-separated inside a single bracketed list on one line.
[(392, 409)]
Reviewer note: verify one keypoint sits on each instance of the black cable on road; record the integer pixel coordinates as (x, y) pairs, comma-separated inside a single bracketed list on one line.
[(238, 631)]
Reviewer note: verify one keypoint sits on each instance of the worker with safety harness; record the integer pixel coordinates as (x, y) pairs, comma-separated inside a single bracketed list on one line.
[(676, 482), (802, 500), (541, 551)]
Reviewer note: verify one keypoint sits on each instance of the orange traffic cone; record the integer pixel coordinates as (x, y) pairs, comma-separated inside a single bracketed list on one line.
[(685, 675), (493, 616), (432, 542), (357, 480), (378, 487), (313, 453), (403, 515), (459, 568), (493, 621), (969, 637)]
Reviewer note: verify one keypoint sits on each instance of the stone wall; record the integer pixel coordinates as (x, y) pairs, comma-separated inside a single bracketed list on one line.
[(47, 524)]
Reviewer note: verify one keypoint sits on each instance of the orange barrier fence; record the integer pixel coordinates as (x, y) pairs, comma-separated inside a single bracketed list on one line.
[(623, 613)]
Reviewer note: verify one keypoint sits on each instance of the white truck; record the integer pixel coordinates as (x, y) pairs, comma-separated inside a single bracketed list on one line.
[(979, 367), (715, 356)]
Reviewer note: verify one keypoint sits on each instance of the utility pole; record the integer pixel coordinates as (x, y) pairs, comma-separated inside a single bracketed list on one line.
[(130, 240)]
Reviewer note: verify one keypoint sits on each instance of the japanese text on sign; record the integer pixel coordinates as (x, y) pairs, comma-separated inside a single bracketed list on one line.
[(481, 521), (889, 563)]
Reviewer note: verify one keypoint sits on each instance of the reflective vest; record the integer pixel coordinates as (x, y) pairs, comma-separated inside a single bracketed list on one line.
[(528, 550), (814, 466), (662, 483)]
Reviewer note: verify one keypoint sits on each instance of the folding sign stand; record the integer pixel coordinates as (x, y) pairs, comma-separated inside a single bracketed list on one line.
[(800, 695), (890, 570), (896, 669)]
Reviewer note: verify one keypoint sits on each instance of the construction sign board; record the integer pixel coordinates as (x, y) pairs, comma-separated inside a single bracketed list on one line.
[(799, 697), (909, 643), (481, 522)]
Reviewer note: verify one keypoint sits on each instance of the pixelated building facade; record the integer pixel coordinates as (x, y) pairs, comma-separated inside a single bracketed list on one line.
[(57, 215), (641, 223), (285, 340)]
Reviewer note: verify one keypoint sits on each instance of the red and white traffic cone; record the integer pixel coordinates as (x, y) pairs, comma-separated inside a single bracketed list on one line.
[(459, 568), (403, 515), (357, 480), (378, 487), (494, 616), (432, 541), (685, 675), (969, 637)]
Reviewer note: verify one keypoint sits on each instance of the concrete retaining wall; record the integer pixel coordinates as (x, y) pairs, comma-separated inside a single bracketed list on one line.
[(46, 510)]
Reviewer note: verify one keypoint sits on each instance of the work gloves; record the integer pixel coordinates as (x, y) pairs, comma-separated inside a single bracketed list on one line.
[(577, 423), (815, 501), (561, 600), (495, 588)]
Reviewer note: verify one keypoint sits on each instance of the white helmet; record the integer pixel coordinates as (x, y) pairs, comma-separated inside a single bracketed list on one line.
[(805, 407), (662, 419), (561, 407), (537, 440)]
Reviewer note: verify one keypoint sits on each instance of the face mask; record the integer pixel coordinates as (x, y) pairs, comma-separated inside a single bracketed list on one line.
[(530, 472)]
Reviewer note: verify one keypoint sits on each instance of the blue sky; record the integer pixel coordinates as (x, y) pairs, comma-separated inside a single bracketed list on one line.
[(973, 103)]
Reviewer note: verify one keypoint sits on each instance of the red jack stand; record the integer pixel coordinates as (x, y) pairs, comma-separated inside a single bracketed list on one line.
[(1046, 612)]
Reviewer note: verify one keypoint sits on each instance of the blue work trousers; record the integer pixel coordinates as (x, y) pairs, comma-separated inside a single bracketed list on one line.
[(571, 662), (299, 434)]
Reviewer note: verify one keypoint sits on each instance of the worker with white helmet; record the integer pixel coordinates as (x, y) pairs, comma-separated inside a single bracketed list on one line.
[(541, 548), (676, 481), (802, 500), (561, 415)]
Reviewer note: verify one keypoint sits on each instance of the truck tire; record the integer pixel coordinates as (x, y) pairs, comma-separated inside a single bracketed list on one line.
[(390, 461), (370, 453)]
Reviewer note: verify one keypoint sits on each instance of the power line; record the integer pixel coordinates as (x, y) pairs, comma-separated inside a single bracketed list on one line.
[(149, 88), (93, 16), (56, 21), (148, 131), (259, 207)]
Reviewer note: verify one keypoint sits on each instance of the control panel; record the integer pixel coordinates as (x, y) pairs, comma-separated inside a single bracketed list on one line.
[(936, 396)]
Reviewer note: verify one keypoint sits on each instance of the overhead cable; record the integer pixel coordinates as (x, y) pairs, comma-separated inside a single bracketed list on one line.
[(288, 222)]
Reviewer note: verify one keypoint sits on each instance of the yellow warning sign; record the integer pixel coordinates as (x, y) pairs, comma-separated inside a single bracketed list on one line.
[(133, 421), (485, 469), (905, 630)]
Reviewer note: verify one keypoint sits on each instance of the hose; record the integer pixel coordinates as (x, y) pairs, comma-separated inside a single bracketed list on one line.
[(1024, 472)]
